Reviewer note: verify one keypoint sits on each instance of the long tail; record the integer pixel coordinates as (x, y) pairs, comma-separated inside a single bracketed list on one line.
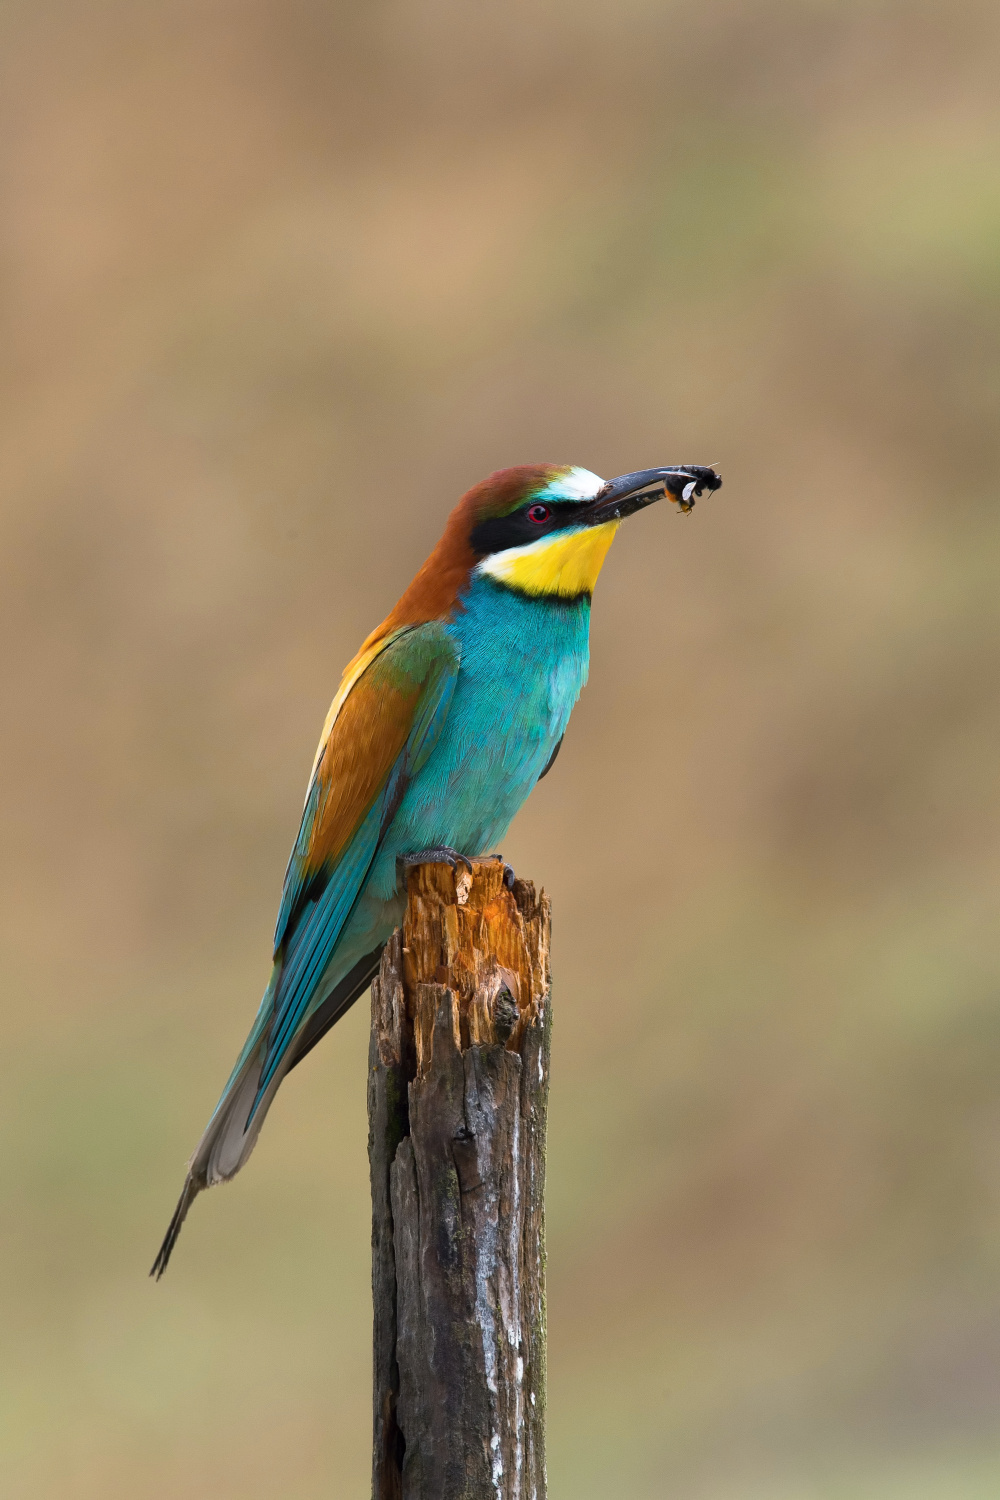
[(227, 1141), (188, 1194), (231, 1135)]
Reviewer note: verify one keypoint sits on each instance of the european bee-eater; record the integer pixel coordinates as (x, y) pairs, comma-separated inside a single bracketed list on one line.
[(450, 712)]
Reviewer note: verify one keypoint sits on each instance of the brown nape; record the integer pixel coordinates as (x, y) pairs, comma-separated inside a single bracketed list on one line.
[(433, 591)]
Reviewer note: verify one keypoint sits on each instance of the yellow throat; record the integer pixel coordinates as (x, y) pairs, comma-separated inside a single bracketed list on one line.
[(563, 565)]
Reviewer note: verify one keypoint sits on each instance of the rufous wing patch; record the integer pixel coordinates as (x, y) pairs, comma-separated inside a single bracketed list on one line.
[(369, 733), (373, 646)]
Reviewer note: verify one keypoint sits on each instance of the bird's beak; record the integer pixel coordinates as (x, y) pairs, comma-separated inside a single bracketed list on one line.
[(631, 492)]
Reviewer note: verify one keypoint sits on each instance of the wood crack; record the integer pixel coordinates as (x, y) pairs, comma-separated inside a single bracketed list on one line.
[(458, 1093)]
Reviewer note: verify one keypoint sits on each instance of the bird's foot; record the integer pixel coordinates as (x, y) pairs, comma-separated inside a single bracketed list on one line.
[(442, 855), (508, 872)]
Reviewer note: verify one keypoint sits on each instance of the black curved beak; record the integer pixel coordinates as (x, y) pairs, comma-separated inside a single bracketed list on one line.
[(631, 492)]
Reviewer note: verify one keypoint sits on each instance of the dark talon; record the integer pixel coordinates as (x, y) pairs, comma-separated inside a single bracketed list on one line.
[(443, 855), (508, 872)]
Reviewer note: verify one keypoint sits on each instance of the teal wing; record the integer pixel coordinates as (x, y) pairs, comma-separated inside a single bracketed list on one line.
[(379, 737), (384, 732)]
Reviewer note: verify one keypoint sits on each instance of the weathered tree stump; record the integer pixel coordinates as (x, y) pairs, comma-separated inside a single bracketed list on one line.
[(457, 1098)]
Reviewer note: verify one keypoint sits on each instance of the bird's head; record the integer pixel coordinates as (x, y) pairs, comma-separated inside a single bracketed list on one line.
[(539, 529), (545, 529)]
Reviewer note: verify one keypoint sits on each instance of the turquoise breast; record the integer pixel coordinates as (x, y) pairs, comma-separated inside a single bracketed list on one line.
[(524, 662)]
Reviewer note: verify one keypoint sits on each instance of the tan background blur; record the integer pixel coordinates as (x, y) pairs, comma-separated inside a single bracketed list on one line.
[(280, 281)]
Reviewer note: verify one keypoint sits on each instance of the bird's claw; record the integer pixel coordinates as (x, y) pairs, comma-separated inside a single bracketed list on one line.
[(442, 855), (445, 855)]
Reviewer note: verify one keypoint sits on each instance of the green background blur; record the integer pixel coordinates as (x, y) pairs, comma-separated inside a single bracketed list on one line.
[(280, 280)]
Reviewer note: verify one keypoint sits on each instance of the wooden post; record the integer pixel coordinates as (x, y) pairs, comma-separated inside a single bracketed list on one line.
[(457, 1097)]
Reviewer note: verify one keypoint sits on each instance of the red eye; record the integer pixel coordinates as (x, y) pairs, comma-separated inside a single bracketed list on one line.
[(538, 514)]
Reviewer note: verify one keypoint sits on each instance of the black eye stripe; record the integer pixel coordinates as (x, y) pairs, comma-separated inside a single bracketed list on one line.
[(519, 528)]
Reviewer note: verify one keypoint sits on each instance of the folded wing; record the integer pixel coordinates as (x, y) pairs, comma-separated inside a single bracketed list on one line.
[(378, 739), (383, 734)]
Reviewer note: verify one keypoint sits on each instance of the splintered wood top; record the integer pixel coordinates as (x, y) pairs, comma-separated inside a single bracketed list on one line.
[(468, 931)]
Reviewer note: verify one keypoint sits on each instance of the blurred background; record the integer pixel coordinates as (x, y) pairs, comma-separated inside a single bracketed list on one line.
[(279, 282)]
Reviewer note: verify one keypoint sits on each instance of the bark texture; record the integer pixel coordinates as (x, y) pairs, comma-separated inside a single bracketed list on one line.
[(457, 1098)]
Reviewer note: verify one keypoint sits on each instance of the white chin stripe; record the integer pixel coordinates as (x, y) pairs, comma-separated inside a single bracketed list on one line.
[(575, 484)]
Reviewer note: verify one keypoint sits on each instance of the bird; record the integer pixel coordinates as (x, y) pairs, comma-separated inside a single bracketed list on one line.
[(451, 711)]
